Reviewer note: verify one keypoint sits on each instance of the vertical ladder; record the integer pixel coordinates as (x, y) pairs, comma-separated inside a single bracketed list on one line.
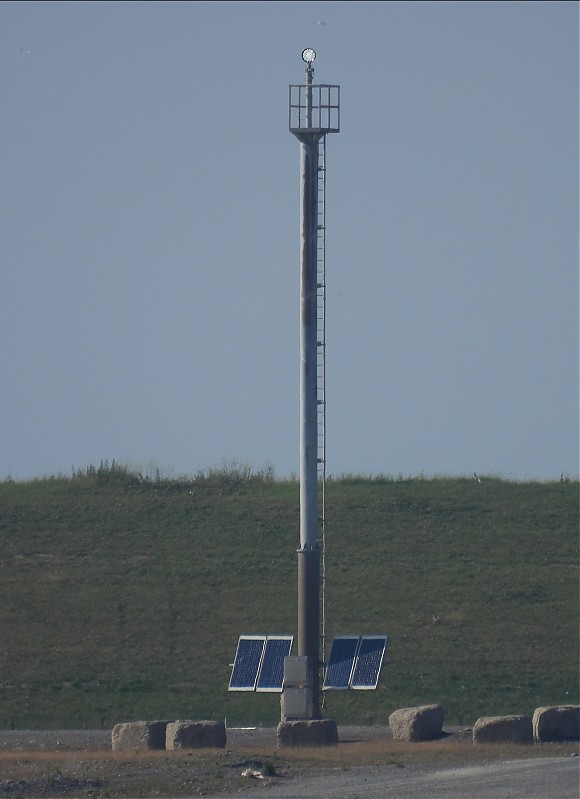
[(321, 370)]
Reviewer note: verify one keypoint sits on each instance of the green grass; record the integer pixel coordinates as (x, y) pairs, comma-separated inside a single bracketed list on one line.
[(122, 598)]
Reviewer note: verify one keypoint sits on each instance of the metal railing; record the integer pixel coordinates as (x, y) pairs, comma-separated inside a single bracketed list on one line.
[(314, 107)]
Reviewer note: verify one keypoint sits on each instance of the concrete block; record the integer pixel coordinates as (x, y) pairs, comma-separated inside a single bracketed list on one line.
[(556, 723), (195, 735), (503, 729), (137, 735), (423, 723)]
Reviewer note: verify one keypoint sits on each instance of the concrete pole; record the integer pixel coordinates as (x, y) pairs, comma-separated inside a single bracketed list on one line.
[(309, 553)]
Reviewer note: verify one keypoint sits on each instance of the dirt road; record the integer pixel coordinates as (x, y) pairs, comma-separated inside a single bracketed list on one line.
[(542, 778)]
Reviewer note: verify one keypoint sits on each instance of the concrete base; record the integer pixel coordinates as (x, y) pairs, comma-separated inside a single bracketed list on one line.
[(307, 732)]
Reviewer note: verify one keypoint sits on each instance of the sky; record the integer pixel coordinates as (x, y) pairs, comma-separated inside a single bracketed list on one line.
[(149, 302)]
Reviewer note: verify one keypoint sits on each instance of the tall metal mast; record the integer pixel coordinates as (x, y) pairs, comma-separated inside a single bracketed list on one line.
[(314, 111)]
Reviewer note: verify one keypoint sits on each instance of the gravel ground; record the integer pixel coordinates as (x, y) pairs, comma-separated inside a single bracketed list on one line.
[(91, 740), (54, 740), (79, 763)]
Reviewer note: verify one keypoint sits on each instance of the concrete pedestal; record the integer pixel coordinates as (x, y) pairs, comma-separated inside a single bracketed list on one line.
[(307, 732)]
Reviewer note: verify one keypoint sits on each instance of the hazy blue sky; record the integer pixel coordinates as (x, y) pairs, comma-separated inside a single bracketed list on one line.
[(150, 236)]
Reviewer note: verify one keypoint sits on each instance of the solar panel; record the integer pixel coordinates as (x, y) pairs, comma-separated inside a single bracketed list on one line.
[(247, 662), (271, 677), (365, 675), (259, 662), (340, 662)]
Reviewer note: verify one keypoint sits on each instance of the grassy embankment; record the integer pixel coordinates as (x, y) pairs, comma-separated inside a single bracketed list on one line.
[(123, 598)]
